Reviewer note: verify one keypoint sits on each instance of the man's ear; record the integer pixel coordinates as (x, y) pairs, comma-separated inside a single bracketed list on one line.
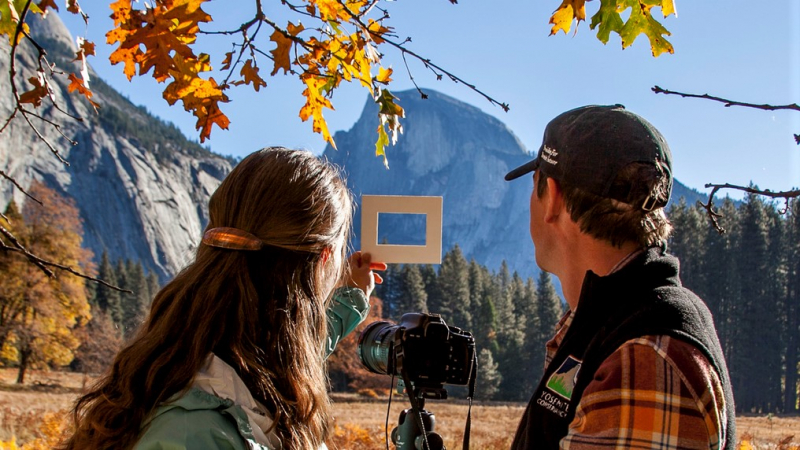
[(554, 201)]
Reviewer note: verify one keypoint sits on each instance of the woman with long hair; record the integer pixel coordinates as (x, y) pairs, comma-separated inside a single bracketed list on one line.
[(232, 354)]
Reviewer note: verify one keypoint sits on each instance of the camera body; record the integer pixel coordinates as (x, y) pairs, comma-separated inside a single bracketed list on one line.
[(433, 353)]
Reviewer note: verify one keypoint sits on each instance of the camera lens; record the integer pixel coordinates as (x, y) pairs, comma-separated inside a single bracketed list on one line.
[(375, 347)]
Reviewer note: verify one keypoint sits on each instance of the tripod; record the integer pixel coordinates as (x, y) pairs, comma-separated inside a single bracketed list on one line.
[(415, 426)]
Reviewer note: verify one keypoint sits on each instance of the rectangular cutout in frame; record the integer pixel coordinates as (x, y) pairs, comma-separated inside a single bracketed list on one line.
[(373, 205)]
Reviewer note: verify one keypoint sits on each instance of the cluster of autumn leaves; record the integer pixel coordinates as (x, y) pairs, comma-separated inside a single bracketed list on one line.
[(159, 38)]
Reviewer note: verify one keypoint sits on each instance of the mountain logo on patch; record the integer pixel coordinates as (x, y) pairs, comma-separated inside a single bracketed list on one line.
[(563, 380)]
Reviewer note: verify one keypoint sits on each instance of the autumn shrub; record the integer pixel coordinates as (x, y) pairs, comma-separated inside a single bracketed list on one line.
[(368, 392), (353, 437), (35, 431)]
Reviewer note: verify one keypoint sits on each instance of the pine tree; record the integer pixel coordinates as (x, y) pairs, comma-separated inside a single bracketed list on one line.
[(134, 309), (413, 297), (549, 311), (756, 351), (489, 377), (688, 242), (792, 313), (720, 288), (390, 291), (511, 339), (153, 286), (453, 283), (484, 321), (107, 299)]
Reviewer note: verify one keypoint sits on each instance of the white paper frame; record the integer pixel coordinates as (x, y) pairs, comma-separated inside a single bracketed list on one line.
[(431, 207)]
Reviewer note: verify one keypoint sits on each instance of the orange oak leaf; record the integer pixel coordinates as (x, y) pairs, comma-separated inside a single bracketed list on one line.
[(85, 48), (226, 63), (293, 29), (280, 54), (250, 74), (73, 6), (208, 118), (130, 57), (164, 29), (44, 4), (77, 84), (38, 93)]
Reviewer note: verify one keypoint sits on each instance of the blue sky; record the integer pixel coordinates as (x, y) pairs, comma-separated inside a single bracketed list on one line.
[(733, 49)]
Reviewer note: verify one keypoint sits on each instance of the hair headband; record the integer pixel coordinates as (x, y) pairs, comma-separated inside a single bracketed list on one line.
[(232, 239)]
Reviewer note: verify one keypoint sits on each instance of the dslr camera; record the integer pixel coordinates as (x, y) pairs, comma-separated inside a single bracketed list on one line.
[(430, 352)]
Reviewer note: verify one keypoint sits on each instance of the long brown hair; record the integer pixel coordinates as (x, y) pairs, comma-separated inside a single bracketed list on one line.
[(262, 312)]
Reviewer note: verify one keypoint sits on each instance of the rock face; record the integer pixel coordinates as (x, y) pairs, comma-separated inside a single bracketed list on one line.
[(456, 151), (141, 187)]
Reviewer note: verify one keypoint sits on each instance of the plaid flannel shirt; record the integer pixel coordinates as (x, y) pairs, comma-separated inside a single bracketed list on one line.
[(652, 392)]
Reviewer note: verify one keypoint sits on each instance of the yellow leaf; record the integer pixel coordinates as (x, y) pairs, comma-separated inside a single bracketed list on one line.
[(668, 7), (315, 101), (381, 143), (384, 75), (568, 11)]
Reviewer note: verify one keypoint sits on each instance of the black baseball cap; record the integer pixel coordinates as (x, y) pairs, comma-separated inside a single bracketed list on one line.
[(588, 146)]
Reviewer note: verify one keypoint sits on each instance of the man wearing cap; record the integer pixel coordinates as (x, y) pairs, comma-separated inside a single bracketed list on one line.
[(635, 362)]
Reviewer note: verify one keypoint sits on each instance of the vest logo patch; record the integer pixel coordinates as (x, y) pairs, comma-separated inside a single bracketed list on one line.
[(563, 380)]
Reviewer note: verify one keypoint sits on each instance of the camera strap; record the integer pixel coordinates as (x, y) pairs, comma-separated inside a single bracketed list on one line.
[(471, 393)]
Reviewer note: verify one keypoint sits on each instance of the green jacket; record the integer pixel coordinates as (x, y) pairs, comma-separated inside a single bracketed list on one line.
[(198, 420)]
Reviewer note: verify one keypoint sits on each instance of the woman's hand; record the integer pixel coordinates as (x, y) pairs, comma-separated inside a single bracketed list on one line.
[(362, 273)]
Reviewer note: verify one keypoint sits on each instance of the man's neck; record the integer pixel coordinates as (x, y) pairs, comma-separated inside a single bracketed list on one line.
[(589, 254)]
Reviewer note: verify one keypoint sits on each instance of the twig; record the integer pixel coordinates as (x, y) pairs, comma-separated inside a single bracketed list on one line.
[(427, 62), (44, 264), (14, 182), (714, 215), (728, 103)]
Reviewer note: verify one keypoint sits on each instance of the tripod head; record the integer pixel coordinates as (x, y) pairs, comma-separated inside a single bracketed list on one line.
[(415, 428)]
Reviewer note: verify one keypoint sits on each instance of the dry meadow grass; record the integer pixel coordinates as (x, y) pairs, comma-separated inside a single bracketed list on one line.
[(359, 419)]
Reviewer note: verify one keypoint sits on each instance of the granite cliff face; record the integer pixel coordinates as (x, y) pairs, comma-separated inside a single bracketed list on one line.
[(456, 151), (141, 187)]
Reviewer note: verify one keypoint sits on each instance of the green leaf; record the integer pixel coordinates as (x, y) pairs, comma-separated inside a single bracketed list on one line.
[(639, 22)]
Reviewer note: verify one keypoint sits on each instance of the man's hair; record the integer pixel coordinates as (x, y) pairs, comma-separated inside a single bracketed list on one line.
[(614, 221)]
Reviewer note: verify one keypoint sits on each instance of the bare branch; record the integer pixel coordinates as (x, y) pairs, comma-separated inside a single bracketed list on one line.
[(728, 103), (14, 182), (44, 264), (764, 106), (714, 215), (427, 62)]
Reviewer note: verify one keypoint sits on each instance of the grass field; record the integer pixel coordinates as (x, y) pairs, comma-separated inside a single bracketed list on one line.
[(359, 420)]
